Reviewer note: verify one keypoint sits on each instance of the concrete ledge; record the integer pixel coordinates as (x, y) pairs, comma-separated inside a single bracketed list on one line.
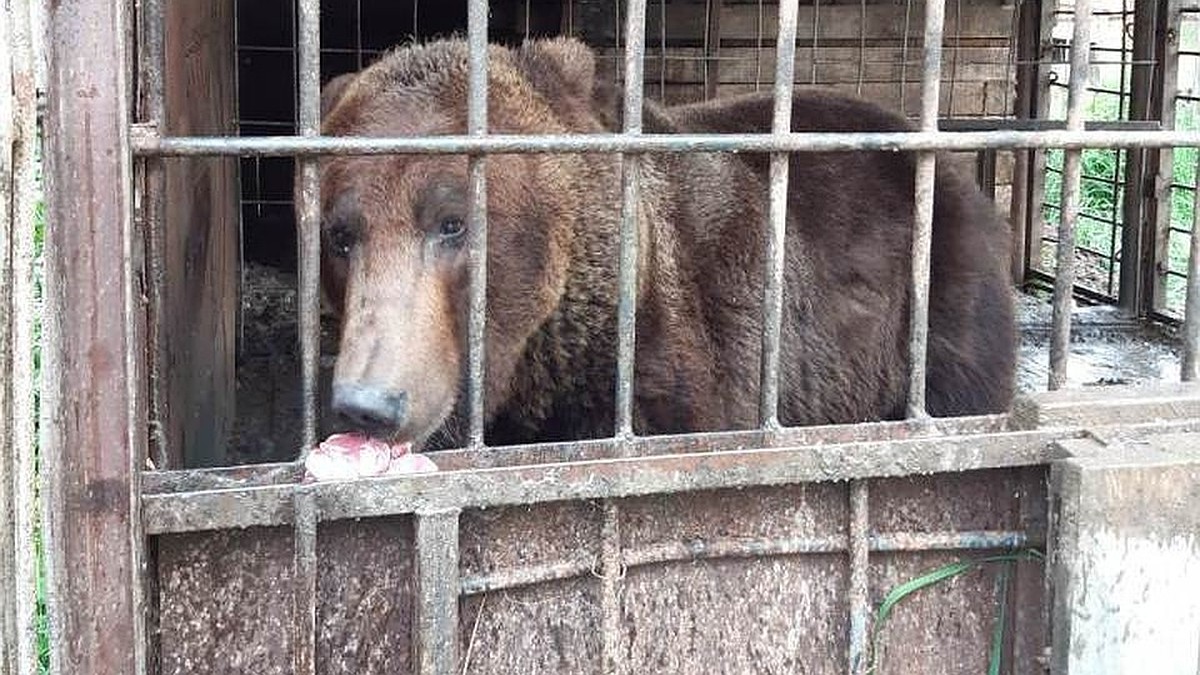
[(1095, 406)]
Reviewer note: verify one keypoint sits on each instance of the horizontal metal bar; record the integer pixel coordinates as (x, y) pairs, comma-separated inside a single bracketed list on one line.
[(260, 475), (1000, 123), (730, 548), (622, 477), (279, 146)]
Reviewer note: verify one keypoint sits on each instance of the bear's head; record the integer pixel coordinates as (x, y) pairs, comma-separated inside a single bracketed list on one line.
[(395, 229)]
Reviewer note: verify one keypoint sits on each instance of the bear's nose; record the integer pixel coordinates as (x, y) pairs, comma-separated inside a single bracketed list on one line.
[(371, 408)]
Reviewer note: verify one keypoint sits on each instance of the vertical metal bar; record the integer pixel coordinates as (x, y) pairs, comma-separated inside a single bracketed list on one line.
[(904, 55), (436, 611), (611, 573), (309, 77), (358, 43), (635, 47), (816, 37), (776, 230), (1136, 282), (712, 48), (1064, 273), (1162, 175), (304, 582), (152, 100), (922, 239), (1191, 318), (92, 419), (859, 549), (758, 46), (477, 121), (862, 46), (8, 413), (527, 19), (954, 56), (18, 445), (662, 50)]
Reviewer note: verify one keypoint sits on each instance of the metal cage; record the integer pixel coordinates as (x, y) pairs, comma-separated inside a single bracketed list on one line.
[(1094, 469)]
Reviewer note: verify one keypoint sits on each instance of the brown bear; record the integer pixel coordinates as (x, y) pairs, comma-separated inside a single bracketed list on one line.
[(395, 231)]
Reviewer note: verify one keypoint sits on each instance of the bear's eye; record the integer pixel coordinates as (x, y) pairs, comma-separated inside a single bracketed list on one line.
[(451, 228), (341, 240)]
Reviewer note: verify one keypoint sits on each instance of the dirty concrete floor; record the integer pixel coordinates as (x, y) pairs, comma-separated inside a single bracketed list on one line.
[(1105, 349)]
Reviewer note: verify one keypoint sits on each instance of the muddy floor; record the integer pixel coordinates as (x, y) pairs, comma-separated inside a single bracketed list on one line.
[(1106, 349)]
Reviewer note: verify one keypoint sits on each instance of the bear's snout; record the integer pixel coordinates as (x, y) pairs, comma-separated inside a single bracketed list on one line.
[(374, 410)]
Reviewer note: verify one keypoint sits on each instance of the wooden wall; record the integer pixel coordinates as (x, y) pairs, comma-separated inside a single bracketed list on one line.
[(201, 238), (859, 49)]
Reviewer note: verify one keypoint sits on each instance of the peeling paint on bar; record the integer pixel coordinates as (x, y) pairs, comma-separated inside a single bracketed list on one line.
[(1064, 270), (922, 237), (635, 47), (309, 220), (477, 122), (859, 606), (776, 226)]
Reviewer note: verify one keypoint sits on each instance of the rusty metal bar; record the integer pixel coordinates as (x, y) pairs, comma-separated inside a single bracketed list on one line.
[(776, 226), (601, 479), (477, 121), (612, 571), (435, 637), (922, 235), (1190, 367), (146, 143), (859, 607), (93, 419), (309, 213), (729, 548), (1064, 272), (601, 448), (304, 582), (153, 198), (635, 49)]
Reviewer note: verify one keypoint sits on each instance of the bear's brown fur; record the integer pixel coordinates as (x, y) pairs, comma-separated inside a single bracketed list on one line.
[(397, 263)]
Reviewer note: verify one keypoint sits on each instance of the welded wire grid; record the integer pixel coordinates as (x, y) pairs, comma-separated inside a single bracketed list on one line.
[(1104, 183)]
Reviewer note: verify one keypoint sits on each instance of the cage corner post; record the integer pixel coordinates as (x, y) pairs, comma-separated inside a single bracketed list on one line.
[(1126, 557), (93, 435)]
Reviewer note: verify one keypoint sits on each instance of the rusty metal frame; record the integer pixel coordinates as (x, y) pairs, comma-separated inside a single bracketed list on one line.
[(104, 456)]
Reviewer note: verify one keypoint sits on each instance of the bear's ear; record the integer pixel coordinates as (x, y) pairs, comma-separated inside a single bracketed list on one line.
[(333, 90), (559, 67)]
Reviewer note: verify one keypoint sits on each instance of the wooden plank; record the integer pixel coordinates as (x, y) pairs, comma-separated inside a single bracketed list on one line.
[(200, 256), (94, 432), (740, 22), (834, 64)]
